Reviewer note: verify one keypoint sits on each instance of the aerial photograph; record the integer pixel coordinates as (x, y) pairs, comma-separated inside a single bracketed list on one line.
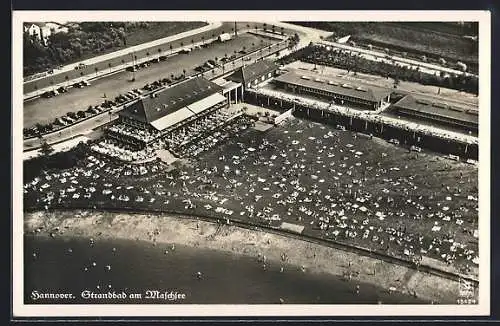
[(245, 162)]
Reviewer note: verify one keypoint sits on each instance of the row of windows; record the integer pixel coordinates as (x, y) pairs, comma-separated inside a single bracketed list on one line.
[(261, 79), (437, 118), (335, 96)]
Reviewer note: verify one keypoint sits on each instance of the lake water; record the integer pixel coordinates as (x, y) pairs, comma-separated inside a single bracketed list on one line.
[(67, 266)]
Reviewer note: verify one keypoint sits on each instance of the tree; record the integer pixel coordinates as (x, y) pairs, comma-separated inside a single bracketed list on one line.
[(396, 82), (46, 149)]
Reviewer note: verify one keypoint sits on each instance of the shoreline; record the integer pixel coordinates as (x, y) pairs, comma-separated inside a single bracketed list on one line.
[(168, 229)]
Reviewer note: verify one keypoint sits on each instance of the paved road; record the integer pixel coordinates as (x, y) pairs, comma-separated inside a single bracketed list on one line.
[(42, 110), (306, 34), (125, 57), (75, 130), (126, 51)]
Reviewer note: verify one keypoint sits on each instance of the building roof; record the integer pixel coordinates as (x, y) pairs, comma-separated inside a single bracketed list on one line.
[(169, 100), (438, 109), (39, 24), (206, 103), (172, 119), (337, 86), (226, 84), (247, 74)]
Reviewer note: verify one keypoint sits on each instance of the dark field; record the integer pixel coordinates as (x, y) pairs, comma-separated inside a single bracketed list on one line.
[(338, 186), (432, 38)]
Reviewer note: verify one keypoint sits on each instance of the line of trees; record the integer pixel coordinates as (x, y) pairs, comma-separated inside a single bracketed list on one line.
[(355, 63)]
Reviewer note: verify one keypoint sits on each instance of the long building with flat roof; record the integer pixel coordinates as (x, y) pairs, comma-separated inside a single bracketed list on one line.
[(335, 89), (438, 111)]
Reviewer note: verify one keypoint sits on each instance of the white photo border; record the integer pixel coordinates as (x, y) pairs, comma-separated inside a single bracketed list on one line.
[(124, 310)]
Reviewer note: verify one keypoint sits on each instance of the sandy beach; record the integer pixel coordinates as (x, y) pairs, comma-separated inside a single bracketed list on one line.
[(311, 258)]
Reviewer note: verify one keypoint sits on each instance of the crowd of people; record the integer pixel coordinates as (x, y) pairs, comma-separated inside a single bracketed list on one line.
[(187, 134), (218, 137), (152, 141), (123, 152), (336, 185), (143, 135)]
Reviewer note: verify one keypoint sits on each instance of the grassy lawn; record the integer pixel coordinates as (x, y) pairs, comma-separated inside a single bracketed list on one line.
[(420, 40), (159, 30)]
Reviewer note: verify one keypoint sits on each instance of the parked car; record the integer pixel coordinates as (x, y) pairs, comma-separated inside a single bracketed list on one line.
[(68, 119), (80, 66), (47, 94), (60, 122)]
